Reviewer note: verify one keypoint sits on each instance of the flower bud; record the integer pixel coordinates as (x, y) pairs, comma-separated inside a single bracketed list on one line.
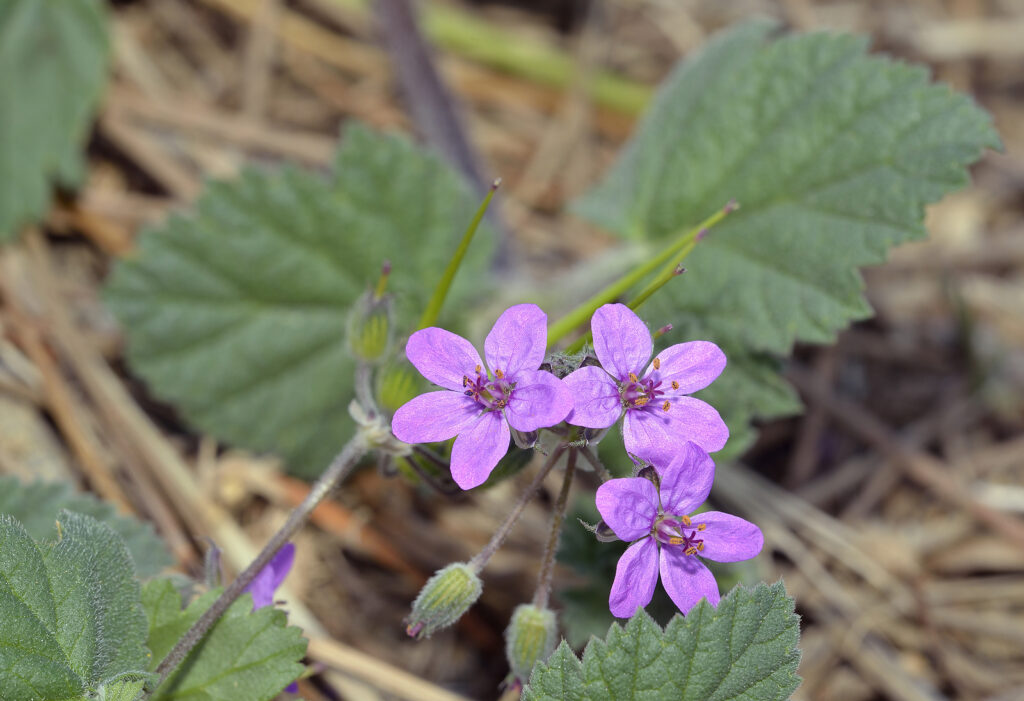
[(444, 599), (397, 383), (530, 638), (369, 322)]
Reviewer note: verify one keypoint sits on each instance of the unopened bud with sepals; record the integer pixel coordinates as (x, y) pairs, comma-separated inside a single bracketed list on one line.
[(370, 324), (444, 599), (530, 638)]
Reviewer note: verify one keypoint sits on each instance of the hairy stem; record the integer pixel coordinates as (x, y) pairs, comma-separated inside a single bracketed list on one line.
[(339, 468), (481, 559), (595, 462), (547, 565)]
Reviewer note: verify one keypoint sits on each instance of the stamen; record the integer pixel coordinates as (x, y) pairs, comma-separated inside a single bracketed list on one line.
[(700, 545), (685, 520), (468, 393), (499, 374), (701, 526), (676, 540), (665, 406), (478, 369), (633, 377), (640, 401), (675, 385), (657, 363), (690, 551), (465, 380)]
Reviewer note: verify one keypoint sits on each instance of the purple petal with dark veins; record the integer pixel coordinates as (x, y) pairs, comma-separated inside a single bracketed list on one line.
[(539, 400), (517, 341), (622, 340), (478, 449), (434, 416), (686, 579), (686, 481), (629, 506), (656, 435), (636, 575), (693, 365), (729, 538), (596, 401), (443, 357)]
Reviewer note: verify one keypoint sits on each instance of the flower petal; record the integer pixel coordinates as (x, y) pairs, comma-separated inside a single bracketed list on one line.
[(266, 582), (693, 365), (629, 506), (443, 357), (657, 435), (539, 400), (686, 579), (478, 449), (595, 396), (518, 340), (635, 578), (686, 481), (621, 340), (434, 416), (729, 538)]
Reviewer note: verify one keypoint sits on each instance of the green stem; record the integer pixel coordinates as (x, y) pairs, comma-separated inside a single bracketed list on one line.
[(547, 566), (433, 309), (668, 256)]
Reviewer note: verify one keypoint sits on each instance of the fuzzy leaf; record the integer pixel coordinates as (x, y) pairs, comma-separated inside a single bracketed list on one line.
[(70, 616), (53, 62), (831, 153), (36, 505), (745, 650), (247, 654), (236, 312)]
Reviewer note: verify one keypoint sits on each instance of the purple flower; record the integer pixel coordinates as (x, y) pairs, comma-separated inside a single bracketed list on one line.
[(659, 521), (266, 582), (479, 406), (659, 415)]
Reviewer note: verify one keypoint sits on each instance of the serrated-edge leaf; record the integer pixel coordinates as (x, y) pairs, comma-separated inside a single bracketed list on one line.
[(832, 154), (36, 505), (746, 649)]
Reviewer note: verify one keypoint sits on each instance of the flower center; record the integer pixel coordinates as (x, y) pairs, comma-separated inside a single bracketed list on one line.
[(494, 394), (637, 394), (672, 530)]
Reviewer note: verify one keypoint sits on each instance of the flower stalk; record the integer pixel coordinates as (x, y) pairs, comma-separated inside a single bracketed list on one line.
[(547, 566)]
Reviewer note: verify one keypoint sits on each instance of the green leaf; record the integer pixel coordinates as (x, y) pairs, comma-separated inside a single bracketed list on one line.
[(37, 504), (746, 649), (247, 654), (70, 616), (236, 312), (832, 155), (53, 63)]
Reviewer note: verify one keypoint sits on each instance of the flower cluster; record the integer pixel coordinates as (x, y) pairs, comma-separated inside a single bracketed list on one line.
[(661, 425)]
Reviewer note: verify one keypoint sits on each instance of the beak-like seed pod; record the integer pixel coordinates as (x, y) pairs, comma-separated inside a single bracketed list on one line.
[(444, 599)]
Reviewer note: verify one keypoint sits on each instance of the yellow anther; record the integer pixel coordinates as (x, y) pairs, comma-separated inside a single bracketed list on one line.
[(499, 374), (674, 540), (478, 369), (691, 550), (665, 406), (685, 520), (657, 363), (640, 401), (465, 380), (633, 377), (702, 526), (700, 545), (675, 385)]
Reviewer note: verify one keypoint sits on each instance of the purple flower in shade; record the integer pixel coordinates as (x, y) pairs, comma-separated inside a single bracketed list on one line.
[(266, 582), (479, 406), (659, 521), (659, 415)]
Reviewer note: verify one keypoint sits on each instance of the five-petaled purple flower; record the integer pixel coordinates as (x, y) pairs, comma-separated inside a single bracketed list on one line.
[(659, 521), (479, 406), (659, 417), (266, 582)]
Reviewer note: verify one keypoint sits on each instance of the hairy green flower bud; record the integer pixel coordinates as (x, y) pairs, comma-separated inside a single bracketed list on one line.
[(444, 598), (397, 383), (370, 323), (530, 638)]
